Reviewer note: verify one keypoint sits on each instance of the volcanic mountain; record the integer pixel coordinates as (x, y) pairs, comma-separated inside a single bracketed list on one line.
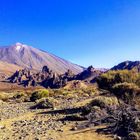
[(32, 58), (129, 65)]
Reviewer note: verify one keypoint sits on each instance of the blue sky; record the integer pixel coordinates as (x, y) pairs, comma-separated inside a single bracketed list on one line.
[(101, 33)]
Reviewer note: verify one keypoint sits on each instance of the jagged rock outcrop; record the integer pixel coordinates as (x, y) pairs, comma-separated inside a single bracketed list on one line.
[(49, 79), (46, 78), (23, 77), (57, 81), (89, 74)]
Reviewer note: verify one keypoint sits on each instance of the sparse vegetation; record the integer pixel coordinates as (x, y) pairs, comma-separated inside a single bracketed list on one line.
[(115, 106), (123, 121), (103, 101), (100, 102), (19, 95), (45, 103), (123, 84), (39, 94), (126, 91), (109, 79)]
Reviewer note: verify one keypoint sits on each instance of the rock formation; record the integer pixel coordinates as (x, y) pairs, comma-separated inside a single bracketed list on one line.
[(46, 78)]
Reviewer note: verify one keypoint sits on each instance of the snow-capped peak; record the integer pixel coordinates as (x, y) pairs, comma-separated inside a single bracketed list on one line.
[(19, 46)]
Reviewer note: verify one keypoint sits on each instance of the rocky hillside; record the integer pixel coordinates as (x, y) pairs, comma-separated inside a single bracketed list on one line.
[(32, 58), (129, 65)]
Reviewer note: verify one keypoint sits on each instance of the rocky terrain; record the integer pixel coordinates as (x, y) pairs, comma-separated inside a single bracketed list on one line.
[(19, 121)]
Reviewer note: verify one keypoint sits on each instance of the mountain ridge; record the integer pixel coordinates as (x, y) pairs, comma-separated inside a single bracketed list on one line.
[(129, 65)]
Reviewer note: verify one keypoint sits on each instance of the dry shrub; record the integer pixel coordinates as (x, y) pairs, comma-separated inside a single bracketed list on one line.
[(126, 91), (109, 79), (103, 101), (100, 102), (46, 103), (39, 94)]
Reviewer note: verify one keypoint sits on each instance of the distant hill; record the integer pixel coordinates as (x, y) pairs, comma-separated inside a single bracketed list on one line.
[(129, 65), (32, 58)]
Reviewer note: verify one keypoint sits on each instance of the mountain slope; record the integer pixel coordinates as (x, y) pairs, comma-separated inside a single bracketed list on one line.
[(7, 69), (32, 58), (129, 65)]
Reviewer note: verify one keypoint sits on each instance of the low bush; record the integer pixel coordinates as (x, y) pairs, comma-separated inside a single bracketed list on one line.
[(103, 101), (39, 94), (126, 91), (100, 102), (19, 95), (108, 80), (45, 103)]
